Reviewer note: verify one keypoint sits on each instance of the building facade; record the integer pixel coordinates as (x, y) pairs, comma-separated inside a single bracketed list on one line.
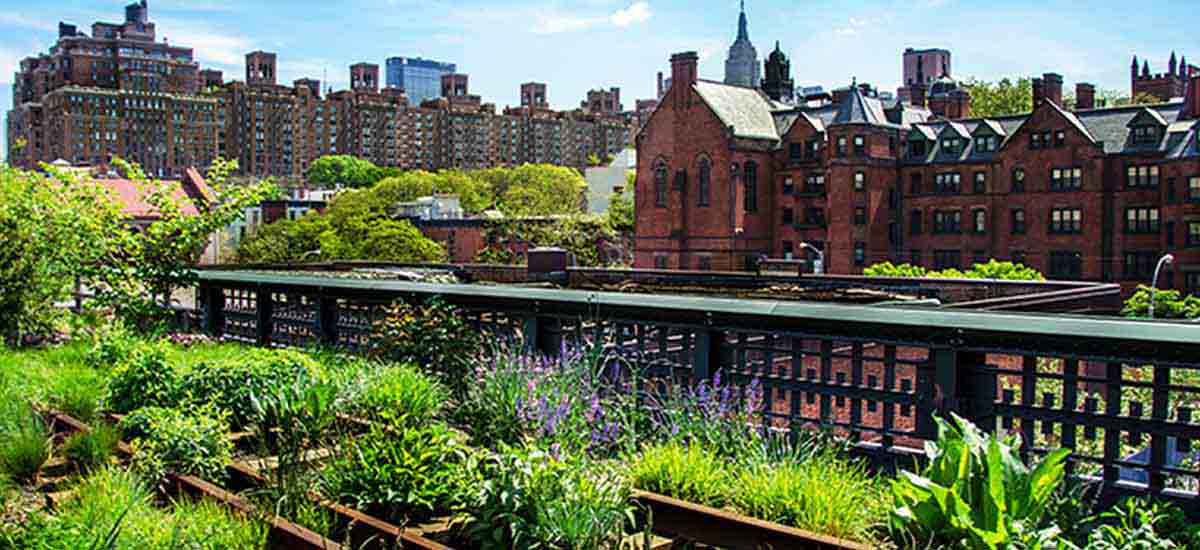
[(741, 67), (1162, 86), (421, 79), (727, 177), (919, 70)]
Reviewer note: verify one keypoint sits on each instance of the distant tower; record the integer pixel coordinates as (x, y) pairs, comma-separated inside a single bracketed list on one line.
[(778, 83), (364, 77), (533, 95), (260, 68), (741, 68), (1171, 64)]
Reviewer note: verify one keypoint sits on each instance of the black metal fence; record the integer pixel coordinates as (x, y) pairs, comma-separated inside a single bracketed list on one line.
[(1120, 393)]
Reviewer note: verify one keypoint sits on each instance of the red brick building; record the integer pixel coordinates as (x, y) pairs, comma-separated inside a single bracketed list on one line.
[(1164, 86), (728, 175)]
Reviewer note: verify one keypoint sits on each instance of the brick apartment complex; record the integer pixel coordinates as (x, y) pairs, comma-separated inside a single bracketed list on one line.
[(729, 174), (120, 93)]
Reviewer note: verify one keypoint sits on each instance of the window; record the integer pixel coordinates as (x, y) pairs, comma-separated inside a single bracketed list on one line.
[(979, 218), (788, 249), (751, 187), (1171, 190), (660, 186), (788, 186), (1018, 256), (1018, 180), (1141, 220), (1193, 238), (952, 145), (814, 183), (1170, 234), (860, 215), (914, 225), (947, 259), (1141, 176), (1145, 135), (860, 181), (814, 216), (914, 185), (1194, 188), (948, 183), (860, 253), (1018, 221), (1192, 281), (796, 151), (1066, 220), (660, 262), (1060, 138), (1065, 179), (981, 182), (947, 221), (814, 148), (1065, 264), (789, 216), (841, 146), (860, 145), (916, 148), (1035, 141), (705, 183), (1140, 264), (986, 144), (979, 257)]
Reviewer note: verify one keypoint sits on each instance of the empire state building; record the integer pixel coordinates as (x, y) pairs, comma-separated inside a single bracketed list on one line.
[(741, 68)]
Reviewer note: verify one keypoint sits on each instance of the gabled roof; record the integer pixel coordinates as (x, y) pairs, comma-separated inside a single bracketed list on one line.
[(988, 125), (957, 129), (1147, 116), (859, 109), (1111, 127), (746, 110), (1074, 120), (923, 131)]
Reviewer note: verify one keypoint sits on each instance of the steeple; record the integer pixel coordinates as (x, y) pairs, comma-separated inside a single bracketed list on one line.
[(743, 33), (1145, 68), (741, 67), (778, 84), (1183, 67), (1171, 65)]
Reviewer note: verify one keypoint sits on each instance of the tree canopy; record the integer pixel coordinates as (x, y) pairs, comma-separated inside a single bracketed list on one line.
[(1002, 98), (344, 171)]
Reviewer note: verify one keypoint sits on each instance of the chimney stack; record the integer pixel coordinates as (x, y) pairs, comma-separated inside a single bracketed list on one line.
[(1039, 91), (1085, 96), (1191, 97), (684, 67), (1053, 87)]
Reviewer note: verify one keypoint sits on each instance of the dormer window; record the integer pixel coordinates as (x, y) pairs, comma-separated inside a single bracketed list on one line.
[(916, 148), (1146, 135), (986, 144), (951, 145)]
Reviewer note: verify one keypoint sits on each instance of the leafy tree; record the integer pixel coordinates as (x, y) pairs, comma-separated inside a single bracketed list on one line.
[(581, 235), (543, 190), (1000, 98), (620, 213), (342, 170), (1168, 304), (284, 241)]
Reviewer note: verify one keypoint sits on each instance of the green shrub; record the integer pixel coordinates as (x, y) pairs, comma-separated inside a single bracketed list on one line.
[(993, 269), (230, 384), (24, 442), (400, 395), (192, 444), (1134, 524), (433, 335), (976, 492), (137, 423), (146, 379), (1168, 304), (114, 510), (685, 472), (94, 448), (112, 345), (825, 494), (525, 498), (402, 475)]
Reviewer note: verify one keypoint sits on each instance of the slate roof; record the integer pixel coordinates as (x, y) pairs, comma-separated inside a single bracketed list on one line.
[(860, 109), (1111, 126), (746, 110)]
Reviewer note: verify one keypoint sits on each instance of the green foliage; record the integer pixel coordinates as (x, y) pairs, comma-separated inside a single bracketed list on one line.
[(404, 476), (284, 241), (137, 424), (94, 448), (77, 398), (145, 379), (1168, 304), (580, 235), (230, 384), (976, 492), (433, 334), (192, 443), (542, 190), (380, 240), (342, 171), (686, 472), (400, 395), (993, 269), (1000, 98), (24, 441), (114, 510), (525, 498), (1132, 524), (621, 215), (112, 345)]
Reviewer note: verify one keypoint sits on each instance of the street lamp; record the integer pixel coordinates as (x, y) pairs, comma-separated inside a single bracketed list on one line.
[(1165, 260), (819, 263)]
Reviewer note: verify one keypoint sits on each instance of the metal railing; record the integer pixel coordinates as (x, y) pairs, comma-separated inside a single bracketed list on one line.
[(1119, 392)]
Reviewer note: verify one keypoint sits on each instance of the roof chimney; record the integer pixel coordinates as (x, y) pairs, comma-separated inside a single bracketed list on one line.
[(1191, 97), (1039, 92), (1053, 88), (1085, 96), (684, 67)]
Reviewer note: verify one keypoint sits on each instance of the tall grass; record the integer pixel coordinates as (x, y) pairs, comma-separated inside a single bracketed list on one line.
[(686, 472), (24, 441), (92, 449), (400, 395)]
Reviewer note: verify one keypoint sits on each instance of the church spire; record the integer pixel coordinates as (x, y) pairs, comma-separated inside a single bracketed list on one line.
[(743, 33)]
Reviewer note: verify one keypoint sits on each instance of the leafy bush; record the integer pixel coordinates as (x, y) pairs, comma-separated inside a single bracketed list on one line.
[(114, 510), (404, 475), (400, 395), (230, 384), (290, 420), (433, 334), (77, 397), (1132, 524), (138, 423), (825, 494), (993, 269), (976, 492), (112, 345), (24, 442), (146, 379), (94, 448), (190, 444), (688, 473), (525, 498), (1168, 304)]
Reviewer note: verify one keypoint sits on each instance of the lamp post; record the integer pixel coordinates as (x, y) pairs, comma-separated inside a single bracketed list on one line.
[(819, 266), (1165, 260)]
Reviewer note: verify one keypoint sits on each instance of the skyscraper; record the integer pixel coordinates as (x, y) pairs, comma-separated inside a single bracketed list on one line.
[(420, 78), (741, 68)]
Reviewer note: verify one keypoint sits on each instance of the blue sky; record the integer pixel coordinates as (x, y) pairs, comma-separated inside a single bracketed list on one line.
[(574, 45)]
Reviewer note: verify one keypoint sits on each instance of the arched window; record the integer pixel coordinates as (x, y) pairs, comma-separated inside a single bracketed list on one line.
[(751, 186), (705, 181), (660, 184)]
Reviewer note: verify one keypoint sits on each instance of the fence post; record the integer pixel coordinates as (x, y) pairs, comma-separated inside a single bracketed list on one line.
[(212, 298), (967, 386), (326, 321), (263, 304), (707, 359), (543, 334)]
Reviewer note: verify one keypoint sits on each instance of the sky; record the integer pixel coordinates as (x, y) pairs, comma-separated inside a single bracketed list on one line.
[(577, 45)]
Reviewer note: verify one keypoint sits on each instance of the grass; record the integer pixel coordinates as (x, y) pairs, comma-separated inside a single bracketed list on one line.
[(92, 449), (24, 441), (114, 510), (688, 472), (400, 394)]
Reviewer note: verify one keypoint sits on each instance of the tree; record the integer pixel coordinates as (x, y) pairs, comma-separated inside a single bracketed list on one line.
[(1001, 98), (342, 171), (543, 190), (621, 216)]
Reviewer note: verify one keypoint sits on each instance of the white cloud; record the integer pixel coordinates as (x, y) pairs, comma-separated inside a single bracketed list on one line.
[(9, 61), (853, 27), (556, 23), (210, 47), (12, 19)]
